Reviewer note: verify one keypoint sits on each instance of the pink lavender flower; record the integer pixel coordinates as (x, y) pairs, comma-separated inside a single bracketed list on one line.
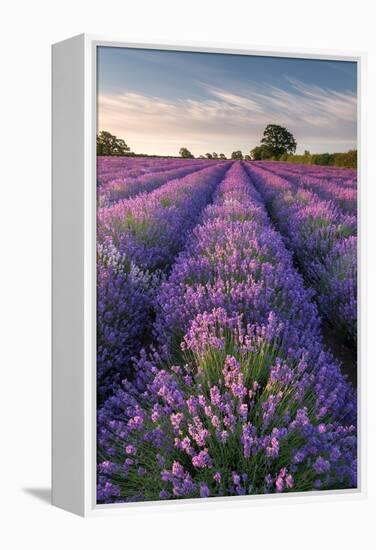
[(202, 460), (289, 480), (273, 449), (130, 450), (176, 420), (217, 477), (177, 469), (215, 395)]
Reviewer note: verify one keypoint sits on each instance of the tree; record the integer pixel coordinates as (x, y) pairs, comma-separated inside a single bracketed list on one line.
[(237, 155), (323, 159), (108, 144), (222, 156), (214, 155), (185, 153), (247, 157), (202, 157), (209, 156), (260, 152), (278, 140)]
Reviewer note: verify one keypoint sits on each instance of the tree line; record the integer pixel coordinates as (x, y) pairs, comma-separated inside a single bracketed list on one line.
[(277, 143), (235, 155), (341, 160)]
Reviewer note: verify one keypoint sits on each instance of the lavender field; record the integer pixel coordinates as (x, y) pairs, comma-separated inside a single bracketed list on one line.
[(217, 284)]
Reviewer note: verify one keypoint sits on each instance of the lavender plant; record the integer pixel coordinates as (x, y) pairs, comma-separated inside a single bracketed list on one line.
[(323, 240), (240, 397), (339, 188), (137, 241), (123, 186)]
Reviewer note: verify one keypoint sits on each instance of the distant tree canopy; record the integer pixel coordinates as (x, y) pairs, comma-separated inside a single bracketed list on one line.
[(108, 144), (213, 156), (260, 152), (279, 144), (185, 153), (278, 140), (341, 160), (237, 155)]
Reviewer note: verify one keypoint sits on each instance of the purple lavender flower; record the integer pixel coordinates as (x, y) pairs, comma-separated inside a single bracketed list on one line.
[(266, 408), (321, 465), (204, 490), (217, 477), (138, 239), (322, 234), (202, 460)]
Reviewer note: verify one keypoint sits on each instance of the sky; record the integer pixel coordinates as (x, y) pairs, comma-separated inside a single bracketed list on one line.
[(159, 101)]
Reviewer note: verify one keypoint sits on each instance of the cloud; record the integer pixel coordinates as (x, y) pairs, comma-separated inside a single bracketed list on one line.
[(320, 119)]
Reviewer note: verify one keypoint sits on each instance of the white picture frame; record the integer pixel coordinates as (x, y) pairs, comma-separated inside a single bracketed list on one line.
[(74, 280)]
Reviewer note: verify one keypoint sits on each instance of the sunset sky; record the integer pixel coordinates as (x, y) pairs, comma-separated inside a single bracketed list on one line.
[(159, 101)]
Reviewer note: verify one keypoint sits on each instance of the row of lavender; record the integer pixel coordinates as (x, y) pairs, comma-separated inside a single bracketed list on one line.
[(112, 167), (341, 188), (240, 397), (324, 242), (347, 176), (138, 240), (124, 183)]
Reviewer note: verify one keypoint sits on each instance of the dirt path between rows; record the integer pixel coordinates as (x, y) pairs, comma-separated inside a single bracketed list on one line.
[(346, 355)]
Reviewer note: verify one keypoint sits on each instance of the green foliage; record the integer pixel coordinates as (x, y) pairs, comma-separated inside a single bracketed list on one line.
[(323, 159), (222, 156), (277, 140), (108, 144), (260, 152), (185, 153), (228, 455), (279, 144), (342, 160), (346, 160), (209, 156), (237, 155)]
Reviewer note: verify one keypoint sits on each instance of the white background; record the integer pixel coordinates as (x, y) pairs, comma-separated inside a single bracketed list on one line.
[(27, 30)]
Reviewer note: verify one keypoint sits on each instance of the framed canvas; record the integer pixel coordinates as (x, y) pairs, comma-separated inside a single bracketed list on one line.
[(206, 284)]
